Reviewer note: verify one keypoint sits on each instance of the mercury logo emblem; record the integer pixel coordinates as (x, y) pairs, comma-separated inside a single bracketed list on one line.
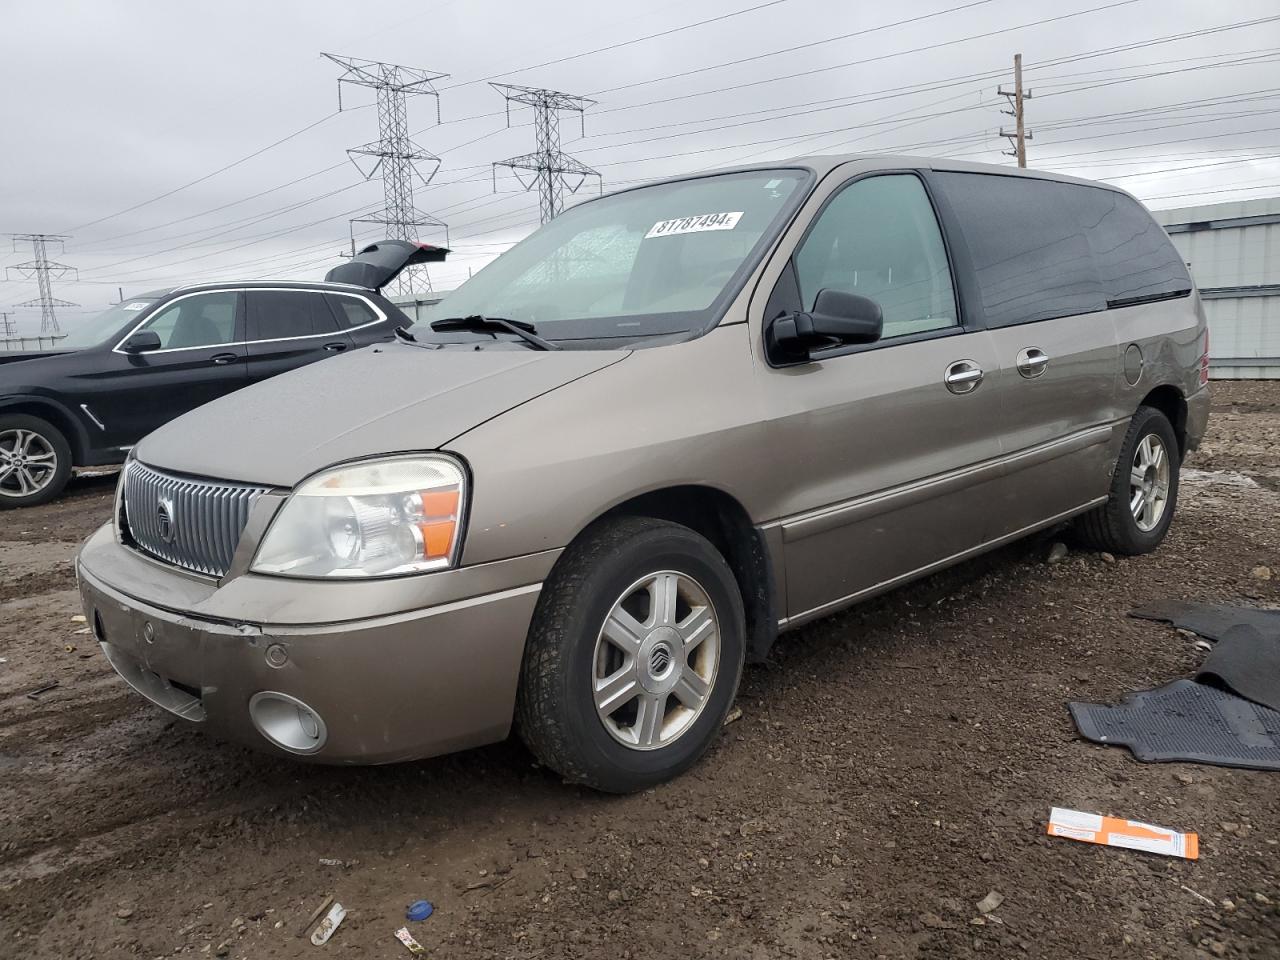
[(659, 659), (165, 520)]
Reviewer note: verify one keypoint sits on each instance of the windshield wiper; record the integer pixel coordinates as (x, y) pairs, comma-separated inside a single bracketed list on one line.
[(525, 331)]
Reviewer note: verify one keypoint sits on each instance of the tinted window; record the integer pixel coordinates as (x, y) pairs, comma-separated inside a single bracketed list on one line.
[(351, 311), (278, 314), (202, 320), (1134, 256), (1029, 252), (878, 238)]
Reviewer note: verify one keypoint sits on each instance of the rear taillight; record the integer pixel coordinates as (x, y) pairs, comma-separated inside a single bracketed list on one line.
[(1204, 360)]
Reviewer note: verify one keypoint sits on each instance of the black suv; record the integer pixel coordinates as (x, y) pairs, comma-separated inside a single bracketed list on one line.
[(152, 358)]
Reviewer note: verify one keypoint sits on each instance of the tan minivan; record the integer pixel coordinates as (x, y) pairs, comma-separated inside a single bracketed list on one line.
[(669, 425)]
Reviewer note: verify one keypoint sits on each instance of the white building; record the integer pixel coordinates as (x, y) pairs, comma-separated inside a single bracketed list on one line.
[(1233, 250)]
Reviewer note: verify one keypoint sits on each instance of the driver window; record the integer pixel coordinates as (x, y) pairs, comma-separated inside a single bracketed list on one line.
[(879, 238), (204, 320)]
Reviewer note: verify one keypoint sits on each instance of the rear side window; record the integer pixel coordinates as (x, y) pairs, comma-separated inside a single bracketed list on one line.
[(1135, 259), (281, 314), (351, 311), (879, 238), (1029, 251)]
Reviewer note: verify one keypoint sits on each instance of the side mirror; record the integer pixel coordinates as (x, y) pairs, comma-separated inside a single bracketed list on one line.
[(142, 342), (838, 318)]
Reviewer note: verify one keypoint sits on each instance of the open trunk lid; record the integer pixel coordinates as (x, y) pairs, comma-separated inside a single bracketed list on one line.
[(379, 263)]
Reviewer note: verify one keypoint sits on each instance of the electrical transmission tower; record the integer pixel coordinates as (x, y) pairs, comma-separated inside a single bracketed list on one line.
[(552, 169), (394, 153), (1020, 135), (7, 325), (44, 271)]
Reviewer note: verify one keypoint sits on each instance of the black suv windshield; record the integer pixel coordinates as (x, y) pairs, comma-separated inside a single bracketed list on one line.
[(105, 326), (655, 260)]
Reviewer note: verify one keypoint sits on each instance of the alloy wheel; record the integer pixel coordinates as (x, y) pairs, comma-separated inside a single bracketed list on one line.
[(28, 463), (1149, 483), (655, 660)]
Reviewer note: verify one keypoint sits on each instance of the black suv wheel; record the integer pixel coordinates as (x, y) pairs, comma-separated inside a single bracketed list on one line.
[(35, 461)]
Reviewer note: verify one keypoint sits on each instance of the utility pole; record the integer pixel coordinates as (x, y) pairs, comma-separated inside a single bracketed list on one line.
[(1018, 139), (44, 271), (394, 153), (551, 168)]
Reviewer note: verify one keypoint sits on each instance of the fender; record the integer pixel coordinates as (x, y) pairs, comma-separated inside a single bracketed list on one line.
[(62, 415)]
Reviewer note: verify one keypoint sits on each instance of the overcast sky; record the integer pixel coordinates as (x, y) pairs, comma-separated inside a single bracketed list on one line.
[(109, 106)]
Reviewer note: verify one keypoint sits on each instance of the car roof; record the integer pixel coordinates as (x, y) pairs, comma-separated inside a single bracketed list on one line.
[(822, 164), (316, 285)]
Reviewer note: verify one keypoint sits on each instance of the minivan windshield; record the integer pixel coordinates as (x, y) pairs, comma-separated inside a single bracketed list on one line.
[(655, 260), (105, 326)]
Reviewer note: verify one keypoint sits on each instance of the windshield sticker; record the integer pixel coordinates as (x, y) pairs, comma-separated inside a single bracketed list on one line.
[(772, 184), (705, 221), (140, 305)]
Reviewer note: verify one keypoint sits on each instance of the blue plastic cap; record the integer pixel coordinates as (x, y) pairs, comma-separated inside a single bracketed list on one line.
[(419, 910)]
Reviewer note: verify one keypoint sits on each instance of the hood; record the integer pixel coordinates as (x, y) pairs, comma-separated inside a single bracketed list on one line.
[(379, 263), (392, 398)]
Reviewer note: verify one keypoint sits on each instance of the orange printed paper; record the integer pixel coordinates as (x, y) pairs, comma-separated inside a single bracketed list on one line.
[(1113, 832)]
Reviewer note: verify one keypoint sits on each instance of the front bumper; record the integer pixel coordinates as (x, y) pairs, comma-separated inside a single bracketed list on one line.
[(389, 685)]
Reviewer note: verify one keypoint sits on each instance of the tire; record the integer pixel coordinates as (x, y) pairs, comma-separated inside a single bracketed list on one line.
[(31, 482), (631, 559), (1113, 526)]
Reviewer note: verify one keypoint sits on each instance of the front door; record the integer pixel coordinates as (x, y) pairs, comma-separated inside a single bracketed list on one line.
[(886, 451), (201, 357)]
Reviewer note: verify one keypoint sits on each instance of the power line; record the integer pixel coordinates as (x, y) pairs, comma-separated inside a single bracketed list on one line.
[(795, 48), (902, 90), (881, 57), (620, 44), (208, 176)]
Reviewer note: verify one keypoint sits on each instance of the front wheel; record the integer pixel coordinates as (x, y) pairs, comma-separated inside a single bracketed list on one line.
[(35, 461), (1144, 489), (634, 656)]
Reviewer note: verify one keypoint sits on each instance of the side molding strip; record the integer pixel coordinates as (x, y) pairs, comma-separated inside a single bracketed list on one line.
[(885, 501)]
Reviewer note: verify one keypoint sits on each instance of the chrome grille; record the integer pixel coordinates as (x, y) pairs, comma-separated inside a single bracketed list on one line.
[(194, 524)]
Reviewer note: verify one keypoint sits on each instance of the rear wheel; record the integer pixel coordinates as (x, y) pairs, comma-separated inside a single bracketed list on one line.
[(634, 656), (35, 461), (1144, 489)]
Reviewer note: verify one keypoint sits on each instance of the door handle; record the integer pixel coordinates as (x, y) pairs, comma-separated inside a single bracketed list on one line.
[(336, 347), (1032, 361), (224, 358), (963, 376)]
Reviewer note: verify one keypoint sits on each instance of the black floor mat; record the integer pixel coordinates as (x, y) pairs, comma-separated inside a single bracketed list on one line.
[(1210, 620), (1247, 662), (1187, 721)]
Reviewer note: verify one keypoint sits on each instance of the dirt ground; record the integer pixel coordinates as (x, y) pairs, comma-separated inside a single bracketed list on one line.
[(892, 766)]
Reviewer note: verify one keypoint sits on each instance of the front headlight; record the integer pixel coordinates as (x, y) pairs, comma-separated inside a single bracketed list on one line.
[(374, 519)]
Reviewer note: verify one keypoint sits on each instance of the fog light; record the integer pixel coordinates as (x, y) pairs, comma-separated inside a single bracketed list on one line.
[(287, 722)]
